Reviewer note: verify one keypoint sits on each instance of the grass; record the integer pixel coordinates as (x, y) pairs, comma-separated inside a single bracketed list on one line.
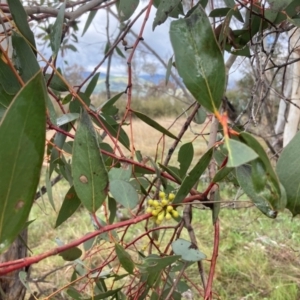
[(258, 257)]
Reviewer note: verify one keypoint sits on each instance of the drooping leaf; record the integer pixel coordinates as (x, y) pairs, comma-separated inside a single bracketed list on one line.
[(49, 189), (5, 100), (66, 118), (124, 193), (69, 206), (193, 176), (219, 12), (200, 116), (289, 173), (120, 53), (187, 250), (238, 153), (56, 32), (56, 83), (169, 67), (89, 20), (221, 174), (154, 264), (24, 57), (76, 105), (216, 206), (71, 254), (105, 295), (124, 259), (126, 9), (21, 156), (112, 207), (173, 172), (198, 58), (92, 84), (88, 169), (260, 199), (115, 131), (153, 124), (185, 158), (106, 106), (164, 9), (8, 79), (20, 18), (120, 173)]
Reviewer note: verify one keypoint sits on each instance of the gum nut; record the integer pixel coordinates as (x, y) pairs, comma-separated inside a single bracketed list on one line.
[(162, 195)]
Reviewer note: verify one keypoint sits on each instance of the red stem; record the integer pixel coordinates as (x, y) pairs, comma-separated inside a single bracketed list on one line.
[(208, 289)]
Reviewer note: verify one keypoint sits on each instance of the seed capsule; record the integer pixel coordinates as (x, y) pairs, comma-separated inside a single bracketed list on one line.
[(175, 213)]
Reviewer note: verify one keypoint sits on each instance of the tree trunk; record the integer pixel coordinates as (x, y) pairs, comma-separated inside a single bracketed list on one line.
[(11, 288), (291, 126)]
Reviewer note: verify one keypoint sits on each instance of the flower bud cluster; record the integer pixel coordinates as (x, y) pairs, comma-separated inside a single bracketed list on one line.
[(162, 209)]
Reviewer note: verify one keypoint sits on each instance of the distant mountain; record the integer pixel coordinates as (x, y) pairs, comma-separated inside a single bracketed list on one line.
[(119, 83)]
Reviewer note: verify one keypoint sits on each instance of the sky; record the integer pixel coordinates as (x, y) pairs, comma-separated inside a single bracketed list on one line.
[(91, 46)]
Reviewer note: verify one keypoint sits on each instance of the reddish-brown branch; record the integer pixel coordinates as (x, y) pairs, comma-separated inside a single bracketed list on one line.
[(208, 289), (11, 266)]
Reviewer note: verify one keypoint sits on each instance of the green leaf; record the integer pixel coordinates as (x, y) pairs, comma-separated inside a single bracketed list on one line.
[(24, 58), (76, 106), (258, 148), (258, 174), (20, 18), (72, 292), (106, 106), (169, 67), (200, 116), (153, 124), (193, 176), (155, 264), (120, 173), (164, 9), (115, 131), (71, 254), (49, 189), (288, 171), (89, 20), (120, 53), (216, 206), (238, 153), (124, 193), (56, 30), (5, 100), (219, 12), (126, 9), (112, 207), (105, 295), (92, 84), (124, 259), (56, 83), (21, 156), (173, 172), (185, 158), (198, 58), (261, 200), (8, 80), (88, 169), (66, 118), (221, 174), (69, 206), (187, 250)]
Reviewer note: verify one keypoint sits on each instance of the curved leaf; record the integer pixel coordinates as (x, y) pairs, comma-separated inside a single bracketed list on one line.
[(154, 124), (124, 193), (22, 140), (88, 169), (187, 250), (198, 58)]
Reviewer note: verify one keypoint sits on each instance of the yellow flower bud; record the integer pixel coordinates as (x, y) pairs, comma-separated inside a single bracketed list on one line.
[(155, 212), (150, 202), (161, 215), (158, 222), (171, 196), (164, 202), (155, 203), (170, 208), (162, 195), (149, 210), (168, 216), (175, 213)]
